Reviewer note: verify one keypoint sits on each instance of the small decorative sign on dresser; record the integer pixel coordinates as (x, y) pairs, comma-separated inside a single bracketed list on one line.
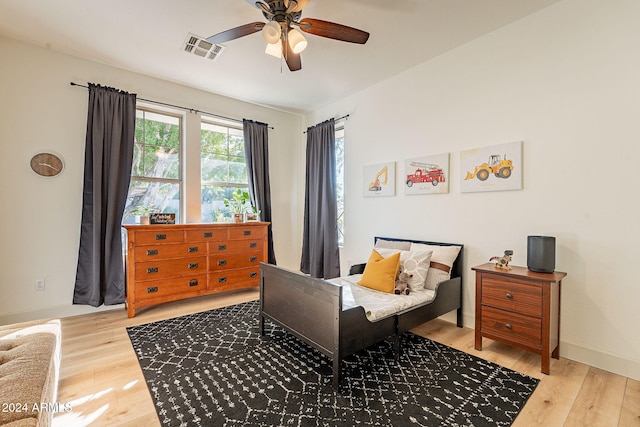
[(162, 218)]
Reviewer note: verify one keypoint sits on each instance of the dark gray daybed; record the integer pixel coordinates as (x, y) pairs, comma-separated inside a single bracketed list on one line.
[(312, 310)]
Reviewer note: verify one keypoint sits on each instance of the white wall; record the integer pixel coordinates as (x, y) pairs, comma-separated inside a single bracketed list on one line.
[(41, 216), (565, 81)]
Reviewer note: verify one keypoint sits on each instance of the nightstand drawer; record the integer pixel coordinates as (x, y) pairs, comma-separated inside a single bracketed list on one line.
[(512, 327), (504, 293)]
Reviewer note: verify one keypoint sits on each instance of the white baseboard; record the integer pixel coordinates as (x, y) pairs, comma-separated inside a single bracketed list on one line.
[(608, 362), (55, 312)]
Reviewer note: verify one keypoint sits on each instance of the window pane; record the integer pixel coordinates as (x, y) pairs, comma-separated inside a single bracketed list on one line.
[(238, 170), (213, 208), (214, 168), (158, 196), (157, 146), (236, 146)]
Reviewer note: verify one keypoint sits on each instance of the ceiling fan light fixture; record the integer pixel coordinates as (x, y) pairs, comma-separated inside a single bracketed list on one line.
[(271, 32), (274, 49), (297, 42), (301, 4)]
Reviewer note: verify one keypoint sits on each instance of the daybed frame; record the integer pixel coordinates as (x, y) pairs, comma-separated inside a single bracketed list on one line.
[(312, 310)]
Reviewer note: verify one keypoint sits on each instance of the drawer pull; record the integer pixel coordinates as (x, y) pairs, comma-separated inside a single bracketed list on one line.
[(192, 249), (161, 237), (253, 245), (193, 265), (152, 290), (253, 274), (222, 279), (152, 270), (193, 282), (222, 247), (508, 326), (253, 259), (222, 262), (246, 232), (208, 234), (508, 295), (151, 252)]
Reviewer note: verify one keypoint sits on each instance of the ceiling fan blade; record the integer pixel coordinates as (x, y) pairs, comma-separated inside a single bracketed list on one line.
[(237, 32), (293, 59), (334, 31)]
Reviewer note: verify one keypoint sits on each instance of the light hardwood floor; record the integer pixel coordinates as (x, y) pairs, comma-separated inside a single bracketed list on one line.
[(101, 379)]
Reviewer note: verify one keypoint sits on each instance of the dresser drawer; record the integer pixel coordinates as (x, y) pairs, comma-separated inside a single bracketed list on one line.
[(246, 233), (159, 236), (235, 246), (222, 279), (160, 269), (503, 293), (188, 285), (207, 234), (176, 250), (234, 260), (513, 327)]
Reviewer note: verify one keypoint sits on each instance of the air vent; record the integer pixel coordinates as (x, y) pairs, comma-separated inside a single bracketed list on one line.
[(197, 45)]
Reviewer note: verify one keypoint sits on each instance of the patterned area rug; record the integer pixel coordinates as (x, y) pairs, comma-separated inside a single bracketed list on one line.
[(214, 369)]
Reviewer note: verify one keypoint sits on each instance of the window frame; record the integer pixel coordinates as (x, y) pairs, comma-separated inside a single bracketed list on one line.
[(340, 172), (206, 120)]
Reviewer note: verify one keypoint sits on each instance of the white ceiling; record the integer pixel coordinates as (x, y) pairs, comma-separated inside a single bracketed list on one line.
[(147, 36)]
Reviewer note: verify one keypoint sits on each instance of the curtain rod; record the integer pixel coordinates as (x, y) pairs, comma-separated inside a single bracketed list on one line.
[(192, 110), (346, 116)]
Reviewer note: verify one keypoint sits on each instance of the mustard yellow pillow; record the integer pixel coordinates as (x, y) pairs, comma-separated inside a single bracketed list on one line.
[(380, 273)]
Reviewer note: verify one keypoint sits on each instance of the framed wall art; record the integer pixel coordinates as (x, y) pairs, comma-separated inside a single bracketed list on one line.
[(493, 168), (379, 180), (427, 175)]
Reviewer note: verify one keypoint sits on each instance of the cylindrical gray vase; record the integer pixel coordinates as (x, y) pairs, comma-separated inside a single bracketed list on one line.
[(541, 254)]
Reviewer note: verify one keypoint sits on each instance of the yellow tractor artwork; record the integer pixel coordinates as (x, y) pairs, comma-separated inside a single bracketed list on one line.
[(376, 185), (500, 167)]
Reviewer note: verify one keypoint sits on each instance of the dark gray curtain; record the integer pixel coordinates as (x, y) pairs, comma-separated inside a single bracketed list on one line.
[(107, 171), (320, 253), (256, 150)]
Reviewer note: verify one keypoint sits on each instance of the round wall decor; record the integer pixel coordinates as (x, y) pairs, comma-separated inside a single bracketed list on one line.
[(47, 164)]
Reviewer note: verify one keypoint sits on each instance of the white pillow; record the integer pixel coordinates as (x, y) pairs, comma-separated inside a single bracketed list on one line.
[(415, 263), (441, 262)]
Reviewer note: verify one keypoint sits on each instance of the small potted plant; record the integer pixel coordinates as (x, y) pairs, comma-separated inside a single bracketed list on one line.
[(143, 212), (238, 204)]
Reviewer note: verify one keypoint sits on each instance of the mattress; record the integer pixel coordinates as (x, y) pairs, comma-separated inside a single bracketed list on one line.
[(379, 305)]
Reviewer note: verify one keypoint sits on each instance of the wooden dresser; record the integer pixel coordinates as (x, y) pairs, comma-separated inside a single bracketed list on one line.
[(172, 262), (520, 308)]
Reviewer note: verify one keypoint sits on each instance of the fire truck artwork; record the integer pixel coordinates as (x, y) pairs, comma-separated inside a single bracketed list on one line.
[(425, 172)]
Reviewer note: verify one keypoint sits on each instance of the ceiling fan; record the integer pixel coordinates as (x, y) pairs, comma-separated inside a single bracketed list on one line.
[(283, 40)]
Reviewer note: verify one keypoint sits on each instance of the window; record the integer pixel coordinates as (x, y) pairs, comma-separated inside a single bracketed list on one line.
[(223, 168), (156, 178), (340, 182)]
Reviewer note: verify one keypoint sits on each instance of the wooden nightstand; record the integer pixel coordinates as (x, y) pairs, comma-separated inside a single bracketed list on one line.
[(520, 308)]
